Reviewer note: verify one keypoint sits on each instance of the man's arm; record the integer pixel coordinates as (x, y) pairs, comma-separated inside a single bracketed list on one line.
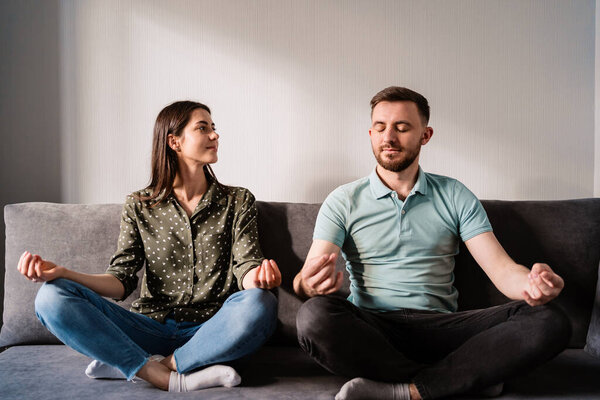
[(538, 286), (318, 275)]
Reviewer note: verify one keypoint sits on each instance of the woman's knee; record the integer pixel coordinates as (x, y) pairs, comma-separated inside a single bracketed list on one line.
[(51, 296), (256, 307)]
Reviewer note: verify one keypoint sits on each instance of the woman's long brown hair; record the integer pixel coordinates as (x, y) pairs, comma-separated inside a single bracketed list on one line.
[(171, 120)]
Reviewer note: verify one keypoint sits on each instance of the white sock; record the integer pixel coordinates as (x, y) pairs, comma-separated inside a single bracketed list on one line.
[(99, 370), (364, 389), (217, 375)]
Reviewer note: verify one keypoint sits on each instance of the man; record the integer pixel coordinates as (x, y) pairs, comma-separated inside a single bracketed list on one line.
[(398, 334)]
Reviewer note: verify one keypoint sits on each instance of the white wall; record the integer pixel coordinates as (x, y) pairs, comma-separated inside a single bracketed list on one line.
[(511, 85), (597, 105)]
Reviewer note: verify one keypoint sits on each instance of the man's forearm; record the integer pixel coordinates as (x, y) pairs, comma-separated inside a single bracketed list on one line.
[(512, 281)]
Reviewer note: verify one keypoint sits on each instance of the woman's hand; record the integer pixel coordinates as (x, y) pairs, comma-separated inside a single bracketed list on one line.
[(34, 268), (265, 276)]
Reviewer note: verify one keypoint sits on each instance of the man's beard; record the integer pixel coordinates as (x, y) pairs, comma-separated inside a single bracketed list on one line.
[(406, 158)]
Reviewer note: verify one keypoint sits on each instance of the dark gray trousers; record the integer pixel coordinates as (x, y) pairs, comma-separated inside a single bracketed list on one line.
[(442, 354)]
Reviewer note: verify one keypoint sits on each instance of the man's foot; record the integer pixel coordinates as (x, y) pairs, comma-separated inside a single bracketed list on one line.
[(363, 389), (492, 391), (217, 375)]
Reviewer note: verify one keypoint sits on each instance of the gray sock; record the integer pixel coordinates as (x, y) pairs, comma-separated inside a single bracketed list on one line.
[(217, 375), (99, 370), (363, 389)]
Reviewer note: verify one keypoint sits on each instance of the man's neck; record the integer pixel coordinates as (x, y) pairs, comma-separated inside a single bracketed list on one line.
[(400, 182)]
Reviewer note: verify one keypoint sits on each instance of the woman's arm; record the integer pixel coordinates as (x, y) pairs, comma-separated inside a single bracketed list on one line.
[(249, 266), (265, 276), (36, 269)]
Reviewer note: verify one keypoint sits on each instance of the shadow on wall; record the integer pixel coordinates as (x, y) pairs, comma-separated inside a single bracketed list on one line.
[(29, 106)]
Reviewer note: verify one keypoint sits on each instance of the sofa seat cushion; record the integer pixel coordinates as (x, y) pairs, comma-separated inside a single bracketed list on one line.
[(57, 372)]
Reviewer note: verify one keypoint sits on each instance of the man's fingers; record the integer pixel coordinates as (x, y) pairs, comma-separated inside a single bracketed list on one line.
[(321, 276), (338, 283), (541, 285), (315, 264), (534, 292), (552, 279)]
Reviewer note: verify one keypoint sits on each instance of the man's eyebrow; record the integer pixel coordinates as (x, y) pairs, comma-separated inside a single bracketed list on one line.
[(395, 123)]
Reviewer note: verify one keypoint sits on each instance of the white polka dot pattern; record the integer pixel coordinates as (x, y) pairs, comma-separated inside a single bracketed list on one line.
[(192, 264)]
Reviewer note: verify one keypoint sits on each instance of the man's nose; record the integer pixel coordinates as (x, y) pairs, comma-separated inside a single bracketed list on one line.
[(389, 135)]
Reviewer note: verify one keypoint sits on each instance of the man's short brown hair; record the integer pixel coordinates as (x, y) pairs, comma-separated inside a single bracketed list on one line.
[(397, 93)]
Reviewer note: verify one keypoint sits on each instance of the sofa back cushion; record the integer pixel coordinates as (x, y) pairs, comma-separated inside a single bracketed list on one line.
[(564, 234)]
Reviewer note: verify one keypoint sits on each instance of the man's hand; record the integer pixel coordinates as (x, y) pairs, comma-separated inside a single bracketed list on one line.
[(265, 276), (543, 286), (318, 277), (34, 268)]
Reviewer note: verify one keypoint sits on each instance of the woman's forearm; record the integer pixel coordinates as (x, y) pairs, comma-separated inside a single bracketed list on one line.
[(106, 285)]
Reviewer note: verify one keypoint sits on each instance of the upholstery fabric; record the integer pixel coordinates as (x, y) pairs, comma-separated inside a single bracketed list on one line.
[(278, 373), (564, 234)]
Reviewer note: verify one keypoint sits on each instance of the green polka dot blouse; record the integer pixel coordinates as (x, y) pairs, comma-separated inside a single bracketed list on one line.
[(192, 264)]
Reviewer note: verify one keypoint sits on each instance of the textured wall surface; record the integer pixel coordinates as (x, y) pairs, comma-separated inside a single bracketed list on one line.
[(511, 85)]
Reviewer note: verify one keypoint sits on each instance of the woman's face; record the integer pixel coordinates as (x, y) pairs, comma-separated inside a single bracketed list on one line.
[(199, 141)]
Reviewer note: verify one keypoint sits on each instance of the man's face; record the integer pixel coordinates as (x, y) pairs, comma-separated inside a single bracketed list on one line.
[(397, 134)]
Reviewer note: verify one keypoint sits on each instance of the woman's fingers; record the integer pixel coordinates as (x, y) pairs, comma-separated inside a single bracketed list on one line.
[(276, 272)]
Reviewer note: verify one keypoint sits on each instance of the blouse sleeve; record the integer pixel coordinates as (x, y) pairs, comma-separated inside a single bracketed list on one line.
[(129, 257), (246, 252)]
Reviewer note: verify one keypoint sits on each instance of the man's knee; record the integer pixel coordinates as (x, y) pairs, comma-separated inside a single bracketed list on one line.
[(556, 326), (316, 317)]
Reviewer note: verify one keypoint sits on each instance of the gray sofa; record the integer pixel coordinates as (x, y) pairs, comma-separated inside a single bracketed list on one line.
[(33, 364)]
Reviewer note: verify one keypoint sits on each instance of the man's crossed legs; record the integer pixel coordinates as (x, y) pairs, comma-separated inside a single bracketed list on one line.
[(441, 354)]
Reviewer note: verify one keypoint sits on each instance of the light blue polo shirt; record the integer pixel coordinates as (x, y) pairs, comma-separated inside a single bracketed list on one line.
[(400, 254)]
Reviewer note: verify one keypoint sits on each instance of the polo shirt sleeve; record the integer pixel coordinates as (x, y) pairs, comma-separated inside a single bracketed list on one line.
[(129, 257), (472, 218), (332, 217), (245, 247)]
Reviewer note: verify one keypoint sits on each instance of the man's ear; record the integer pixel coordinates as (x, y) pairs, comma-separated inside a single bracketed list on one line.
[(426, 136)]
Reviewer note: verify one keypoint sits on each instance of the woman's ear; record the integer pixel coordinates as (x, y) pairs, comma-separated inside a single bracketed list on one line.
[(173, 142)]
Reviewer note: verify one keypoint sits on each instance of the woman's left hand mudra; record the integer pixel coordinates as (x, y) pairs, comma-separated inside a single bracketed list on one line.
[(265, 276)]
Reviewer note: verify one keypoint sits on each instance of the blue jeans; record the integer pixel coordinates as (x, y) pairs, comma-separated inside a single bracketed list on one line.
[(102, 330)]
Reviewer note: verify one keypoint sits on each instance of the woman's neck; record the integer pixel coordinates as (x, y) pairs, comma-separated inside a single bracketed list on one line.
[(190, 182)]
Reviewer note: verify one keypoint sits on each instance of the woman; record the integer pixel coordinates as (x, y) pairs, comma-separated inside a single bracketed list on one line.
[(202, 300)]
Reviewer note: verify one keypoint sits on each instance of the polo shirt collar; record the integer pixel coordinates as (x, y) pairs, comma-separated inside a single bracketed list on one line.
[(379, 189)]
